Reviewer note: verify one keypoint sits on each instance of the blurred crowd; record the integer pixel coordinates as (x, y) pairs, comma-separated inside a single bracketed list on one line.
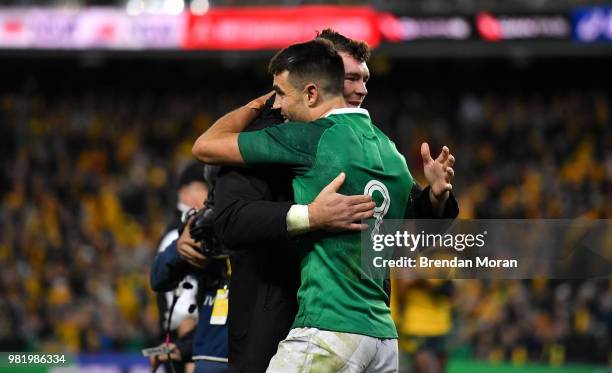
[(520, 155), (547, 321), (88, 178)]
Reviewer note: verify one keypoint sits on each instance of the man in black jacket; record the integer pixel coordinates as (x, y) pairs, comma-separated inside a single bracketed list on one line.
[(252, 207)]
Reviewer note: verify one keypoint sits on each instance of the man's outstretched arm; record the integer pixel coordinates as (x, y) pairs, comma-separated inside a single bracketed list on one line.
[(219, 144)]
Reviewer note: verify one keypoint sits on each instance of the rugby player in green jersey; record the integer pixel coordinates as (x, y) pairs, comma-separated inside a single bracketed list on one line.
[(343, 322)]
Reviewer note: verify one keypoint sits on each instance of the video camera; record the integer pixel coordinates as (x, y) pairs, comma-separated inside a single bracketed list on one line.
[(202, 226)]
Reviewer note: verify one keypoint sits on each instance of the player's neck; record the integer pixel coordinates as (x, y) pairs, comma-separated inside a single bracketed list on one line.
[(332, 104)]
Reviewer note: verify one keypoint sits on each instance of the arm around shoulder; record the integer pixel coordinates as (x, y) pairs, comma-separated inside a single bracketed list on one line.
[(219, 144)]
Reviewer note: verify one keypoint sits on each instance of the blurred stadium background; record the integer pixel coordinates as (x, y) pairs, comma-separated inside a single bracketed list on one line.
[(100, 102)]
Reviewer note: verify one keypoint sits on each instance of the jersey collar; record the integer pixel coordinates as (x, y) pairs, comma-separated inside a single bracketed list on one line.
[(348, 110)]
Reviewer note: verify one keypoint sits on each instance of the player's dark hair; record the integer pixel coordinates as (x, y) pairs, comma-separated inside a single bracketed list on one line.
[(359, 50), (314, 61)]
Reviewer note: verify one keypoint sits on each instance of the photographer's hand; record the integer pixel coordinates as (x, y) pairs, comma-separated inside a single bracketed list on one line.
[(156, 360), (189, 250)]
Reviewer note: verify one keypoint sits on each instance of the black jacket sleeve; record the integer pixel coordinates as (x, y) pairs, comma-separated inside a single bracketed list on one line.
[(244, 215), (423, 209)]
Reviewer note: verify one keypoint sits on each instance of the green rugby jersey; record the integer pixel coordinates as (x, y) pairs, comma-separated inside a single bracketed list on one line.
[(334, 295)]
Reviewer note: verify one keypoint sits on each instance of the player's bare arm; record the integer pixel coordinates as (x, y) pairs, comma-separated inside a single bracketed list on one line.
[(219, 144), (439, 174)]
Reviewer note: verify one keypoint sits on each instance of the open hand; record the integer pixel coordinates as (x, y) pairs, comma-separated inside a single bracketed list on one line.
[(439, 172), (332, 211)]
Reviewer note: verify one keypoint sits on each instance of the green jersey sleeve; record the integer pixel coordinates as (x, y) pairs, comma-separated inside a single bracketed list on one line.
[(293, 144)]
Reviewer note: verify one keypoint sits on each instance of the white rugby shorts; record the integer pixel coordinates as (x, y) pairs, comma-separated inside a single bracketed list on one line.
[(322, 351)]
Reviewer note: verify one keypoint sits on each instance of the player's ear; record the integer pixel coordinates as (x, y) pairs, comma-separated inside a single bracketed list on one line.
[(311, 93)]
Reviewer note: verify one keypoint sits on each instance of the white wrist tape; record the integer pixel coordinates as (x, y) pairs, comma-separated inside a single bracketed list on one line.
[(298, 221)]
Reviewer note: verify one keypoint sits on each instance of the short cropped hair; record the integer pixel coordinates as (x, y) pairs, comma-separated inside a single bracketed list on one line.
[(359, 50), (313, 61)]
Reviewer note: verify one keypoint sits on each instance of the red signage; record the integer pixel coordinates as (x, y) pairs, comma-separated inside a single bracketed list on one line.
[(273, 27)]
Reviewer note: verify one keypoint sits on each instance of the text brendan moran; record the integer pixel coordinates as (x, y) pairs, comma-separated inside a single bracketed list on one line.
[(455, 262)]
